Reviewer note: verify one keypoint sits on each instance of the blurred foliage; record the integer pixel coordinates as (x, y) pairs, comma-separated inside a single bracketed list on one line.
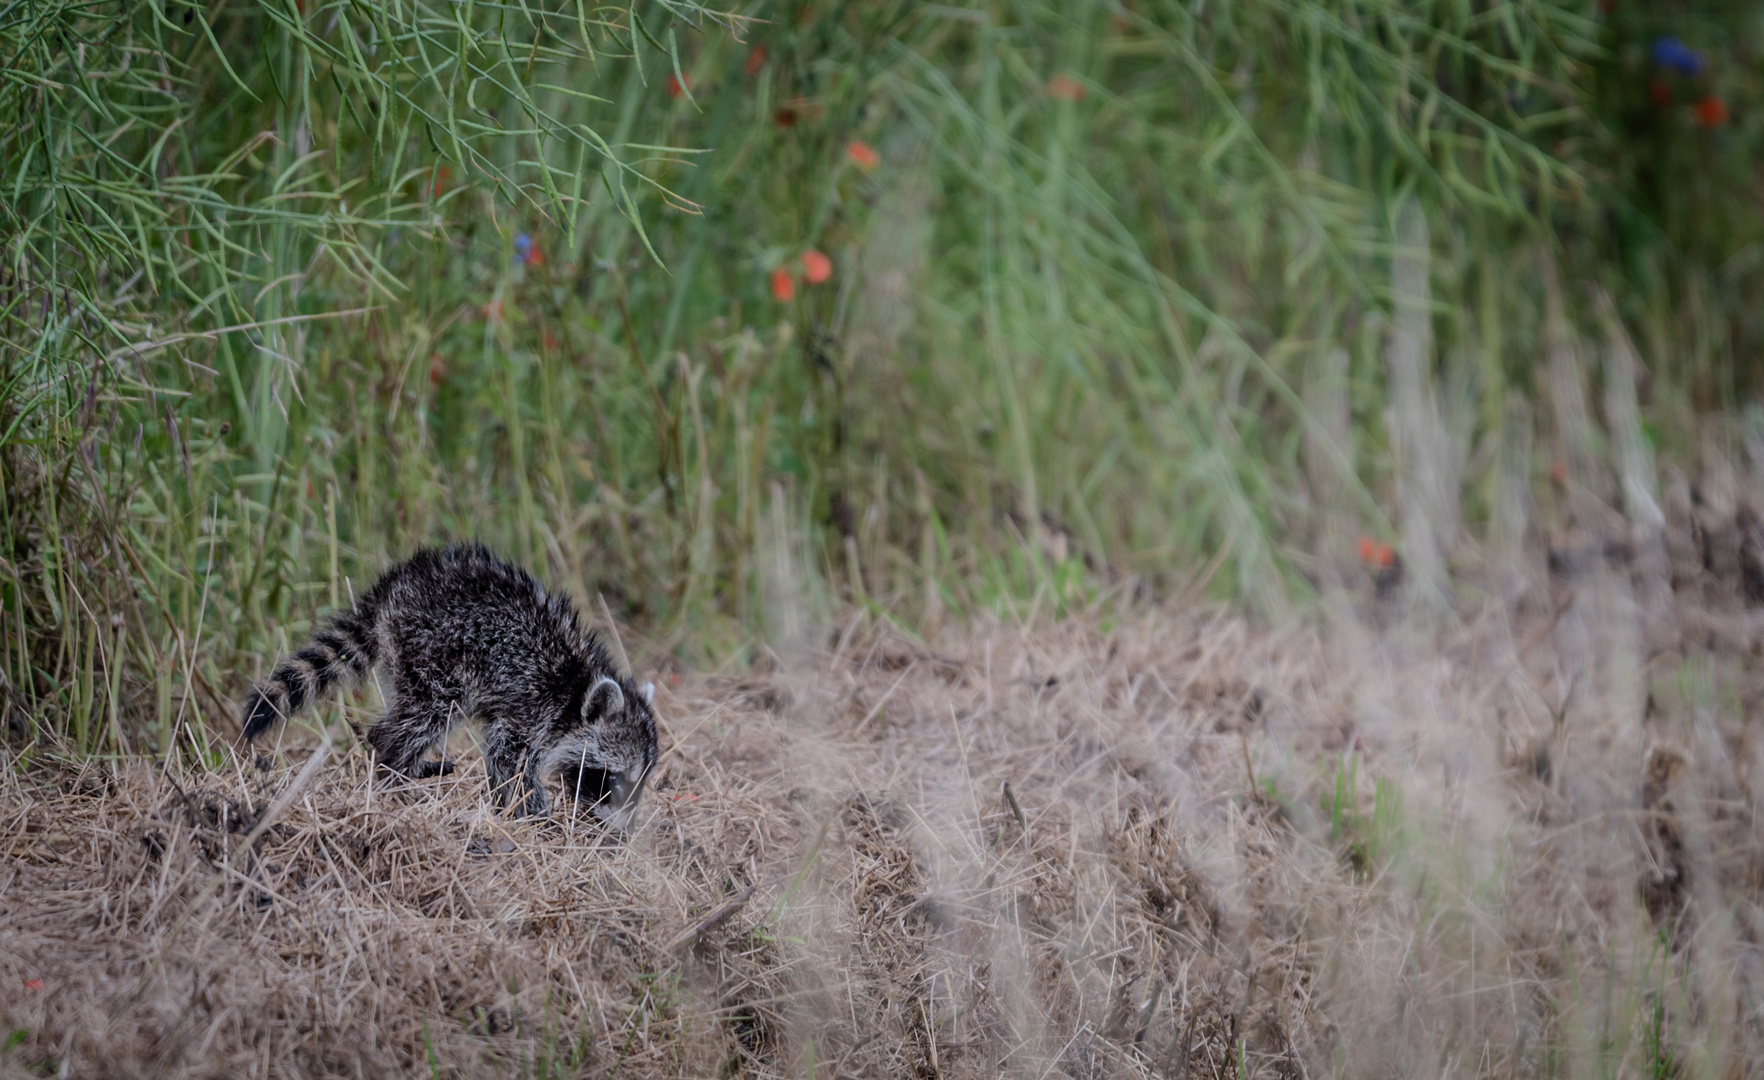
[(924, 308)]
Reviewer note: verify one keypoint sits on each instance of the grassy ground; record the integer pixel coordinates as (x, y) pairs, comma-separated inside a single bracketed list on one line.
[(1126, 843)]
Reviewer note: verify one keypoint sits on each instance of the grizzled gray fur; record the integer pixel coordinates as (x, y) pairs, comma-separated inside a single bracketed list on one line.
[(459, 633)]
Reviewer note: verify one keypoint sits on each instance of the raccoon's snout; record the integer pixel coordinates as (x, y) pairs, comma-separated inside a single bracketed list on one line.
[(608, 792), (625, 789), (587, 784)]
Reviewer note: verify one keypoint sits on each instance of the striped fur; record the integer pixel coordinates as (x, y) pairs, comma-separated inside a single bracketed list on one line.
[(459, 633), (344, 649)]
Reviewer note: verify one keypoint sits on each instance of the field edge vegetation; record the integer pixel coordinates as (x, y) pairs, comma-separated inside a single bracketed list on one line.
[(924, 311)]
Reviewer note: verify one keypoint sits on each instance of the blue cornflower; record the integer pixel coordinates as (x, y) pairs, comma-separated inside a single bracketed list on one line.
[(523, 245), (1671, 53)]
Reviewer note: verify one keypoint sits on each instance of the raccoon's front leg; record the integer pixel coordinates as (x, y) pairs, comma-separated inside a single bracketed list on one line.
[(503, 754), (514, 768), (408, 731), (538, 799)]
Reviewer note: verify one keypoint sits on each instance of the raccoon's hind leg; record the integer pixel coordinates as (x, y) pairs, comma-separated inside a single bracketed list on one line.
[(408, 731)]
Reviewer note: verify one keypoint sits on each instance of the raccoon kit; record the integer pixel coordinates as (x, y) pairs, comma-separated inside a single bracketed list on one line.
[(459, 633)]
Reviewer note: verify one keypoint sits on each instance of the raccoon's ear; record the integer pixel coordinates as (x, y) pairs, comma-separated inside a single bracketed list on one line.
[(609, 690), (648, 692)]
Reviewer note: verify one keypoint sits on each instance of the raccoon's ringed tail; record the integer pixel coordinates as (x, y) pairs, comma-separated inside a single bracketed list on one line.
[(261, 710), (345, 648), (294, 683)]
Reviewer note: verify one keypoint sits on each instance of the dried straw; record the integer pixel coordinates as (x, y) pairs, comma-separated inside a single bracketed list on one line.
[(1027, 851)]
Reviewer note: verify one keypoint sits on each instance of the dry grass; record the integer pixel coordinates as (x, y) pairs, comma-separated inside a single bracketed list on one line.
[(1101, 847)]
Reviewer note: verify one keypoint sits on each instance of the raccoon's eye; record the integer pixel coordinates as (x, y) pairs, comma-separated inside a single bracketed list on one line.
[(588, 784)]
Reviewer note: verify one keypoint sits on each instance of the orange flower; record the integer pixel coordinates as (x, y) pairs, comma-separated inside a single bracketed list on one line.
[(675, 89), (816, 267), (1385, 557), (783, 286), (1376, 554), (1065, 88), (862, 154), (1367, 547), (755, 60), (1711, 112)]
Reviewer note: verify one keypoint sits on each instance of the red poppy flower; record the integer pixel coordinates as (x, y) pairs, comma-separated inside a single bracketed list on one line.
[(783, 286), (816, 267), (862, 154), (437, 369), (675, 89), (1065, 88), (442, 175), (1711, 112), (1376, 554), (755, 60), (535, 256), (33, 984), (784, 118)]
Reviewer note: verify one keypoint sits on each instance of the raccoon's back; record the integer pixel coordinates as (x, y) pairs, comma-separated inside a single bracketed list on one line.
[(462, 607)]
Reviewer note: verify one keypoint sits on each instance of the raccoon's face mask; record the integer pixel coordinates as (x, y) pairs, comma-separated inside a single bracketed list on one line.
[(606, 764)]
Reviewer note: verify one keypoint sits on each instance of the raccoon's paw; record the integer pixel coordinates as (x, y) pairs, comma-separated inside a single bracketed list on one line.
[(425, 769)]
